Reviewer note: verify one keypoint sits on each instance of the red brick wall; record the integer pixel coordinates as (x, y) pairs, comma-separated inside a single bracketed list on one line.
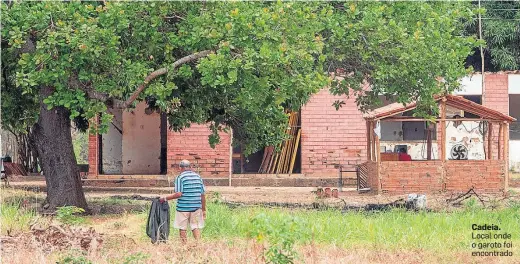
[(93, 155), (402, 177), (329, 137), (486, 176), (496, 96), (194, 142), (411, 176), (373, 181)]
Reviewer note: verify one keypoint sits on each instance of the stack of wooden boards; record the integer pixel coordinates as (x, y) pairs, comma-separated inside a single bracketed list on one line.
[(14, 169), (283, 160)]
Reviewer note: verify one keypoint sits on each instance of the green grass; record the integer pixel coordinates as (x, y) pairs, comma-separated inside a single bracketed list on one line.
[(394, 230), (14, 218), (391, 229)]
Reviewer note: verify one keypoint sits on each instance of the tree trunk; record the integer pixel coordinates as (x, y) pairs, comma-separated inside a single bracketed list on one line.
[(56, 153), (34, 152)]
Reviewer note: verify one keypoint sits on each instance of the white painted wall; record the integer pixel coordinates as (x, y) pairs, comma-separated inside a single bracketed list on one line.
[(141, 142), (113, 145), (513, 83), (470, 85), (467, 134), (416, 149)]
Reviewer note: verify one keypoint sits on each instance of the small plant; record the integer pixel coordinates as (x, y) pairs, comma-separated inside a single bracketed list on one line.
[(74, 258), (136, 258), (216, 198), (68, 215), (281, 237), (14, 216)]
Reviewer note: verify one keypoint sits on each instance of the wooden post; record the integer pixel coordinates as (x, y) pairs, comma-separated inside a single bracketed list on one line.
[(372, 142), (506, 156), (297, 143), (378, 149), (378, 164), (443, 129), (428, 141), (369, 142), (230, 159), (500, 141), (490, 141)]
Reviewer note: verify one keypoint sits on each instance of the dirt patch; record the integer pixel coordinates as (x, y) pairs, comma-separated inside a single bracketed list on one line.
[(54, 238), (108, 209), (62, 237)]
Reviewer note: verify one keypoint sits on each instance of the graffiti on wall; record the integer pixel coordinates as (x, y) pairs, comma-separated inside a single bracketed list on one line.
[(465, 140)]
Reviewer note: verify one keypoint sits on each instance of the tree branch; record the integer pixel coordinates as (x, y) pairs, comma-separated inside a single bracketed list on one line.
[(162, 71), (75, 83)]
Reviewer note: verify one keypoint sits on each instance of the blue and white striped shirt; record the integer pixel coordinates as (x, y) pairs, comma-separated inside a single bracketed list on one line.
[(191, 186)]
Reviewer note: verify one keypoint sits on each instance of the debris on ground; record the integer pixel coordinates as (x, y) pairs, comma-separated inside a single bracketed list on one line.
[(59, 237), (132, 197), (54, 238), (457, 201)]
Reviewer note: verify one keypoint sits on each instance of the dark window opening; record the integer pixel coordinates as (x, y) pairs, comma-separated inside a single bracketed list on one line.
[(475, 99), (164, 143)]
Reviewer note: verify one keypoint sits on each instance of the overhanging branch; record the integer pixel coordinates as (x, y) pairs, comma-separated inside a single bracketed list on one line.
[(162, 71), (120, 104)]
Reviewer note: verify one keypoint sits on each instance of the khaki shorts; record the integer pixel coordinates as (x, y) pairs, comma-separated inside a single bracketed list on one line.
[(194, 219)]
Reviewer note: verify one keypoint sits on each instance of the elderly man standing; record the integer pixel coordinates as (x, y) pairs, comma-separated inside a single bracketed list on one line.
[(191, 203)]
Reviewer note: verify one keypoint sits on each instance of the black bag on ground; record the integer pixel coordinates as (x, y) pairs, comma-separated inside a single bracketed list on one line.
[(158, 225)]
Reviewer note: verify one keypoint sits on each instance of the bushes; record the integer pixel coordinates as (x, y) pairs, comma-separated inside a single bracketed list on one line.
[(68, 215), (15, 215), (281, 236)]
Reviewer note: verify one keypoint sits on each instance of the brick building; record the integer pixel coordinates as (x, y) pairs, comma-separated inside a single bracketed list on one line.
[(139, 143)]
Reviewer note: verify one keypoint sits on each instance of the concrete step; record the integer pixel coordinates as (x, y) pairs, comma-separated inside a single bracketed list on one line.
[(40, 187), (268, 182), (161, 181)]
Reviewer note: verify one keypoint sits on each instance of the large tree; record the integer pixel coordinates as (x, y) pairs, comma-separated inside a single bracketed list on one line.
[(501, 31), (234, 65), (237, 65), (406, 51)]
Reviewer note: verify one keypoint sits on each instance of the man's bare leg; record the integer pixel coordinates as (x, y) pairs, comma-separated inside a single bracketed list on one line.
[(182, 234), (196, 233)]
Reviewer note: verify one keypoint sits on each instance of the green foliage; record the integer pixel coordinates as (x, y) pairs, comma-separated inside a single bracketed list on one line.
[(80, 144), (266, 57), (136, 258), (280, 235), (14, 216), (400, 48), (501, 31), (68, 215), (216, 197), (263, 60), (74, 257), (395, 229), (74, 260), (472, 204)]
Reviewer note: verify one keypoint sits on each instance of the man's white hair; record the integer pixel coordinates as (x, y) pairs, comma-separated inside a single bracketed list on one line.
[(184, 164)]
